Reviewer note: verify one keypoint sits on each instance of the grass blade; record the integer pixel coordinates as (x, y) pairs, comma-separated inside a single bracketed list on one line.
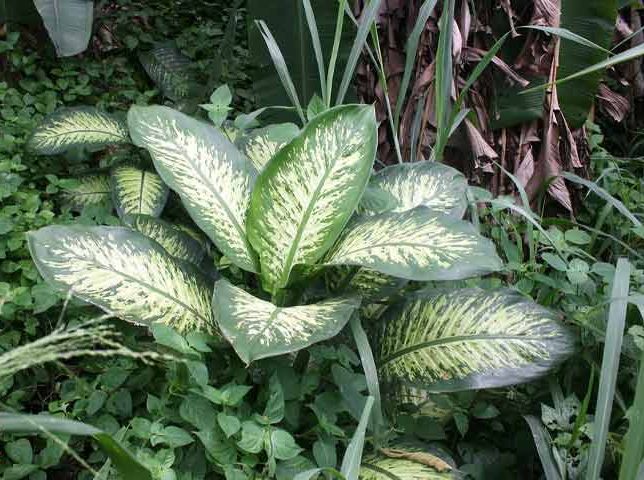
[(281, 67), (411, 49), (600, 192), (350, 467), (317, 46), (610, 366), (543, 442), (634, 438), (443, 79), (625, 56), (368, 17), (334, 52), (568, 35)]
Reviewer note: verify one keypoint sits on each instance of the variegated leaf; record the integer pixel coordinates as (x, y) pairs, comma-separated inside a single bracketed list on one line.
[(408, 185), (172, 238), (381, 467), (76, 127), (416, 245), (470, 339), (170, 71), (258, 329), (261, 144), (124, 273), (308, 191), (211, 176), (369, 284), (136, 191), (86, 191)]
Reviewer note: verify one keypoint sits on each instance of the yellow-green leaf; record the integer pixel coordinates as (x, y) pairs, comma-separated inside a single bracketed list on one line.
[(136, 191), (124, 273), (258, 329), (307, 192), (261, 144), (212, 177), (417, 245), (86, 191)]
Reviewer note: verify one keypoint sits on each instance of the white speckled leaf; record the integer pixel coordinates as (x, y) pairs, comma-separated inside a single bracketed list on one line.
[(258, 329), (261, 144), (76, 127), (124, 273), (380, 467), (212, 177), (417, 245), (308, 191), (405, 186), (88, 190), (470, 339), (136, 191), (172, 238)]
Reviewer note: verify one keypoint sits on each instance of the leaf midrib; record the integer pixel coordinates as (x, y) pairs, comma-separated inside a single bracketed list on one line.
[(454, 339), (385, 244), (72, 132)]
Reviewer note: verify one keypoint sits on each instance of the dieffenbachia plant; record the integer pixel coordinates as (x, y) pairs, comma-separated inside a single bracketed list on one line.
[(308, 237)]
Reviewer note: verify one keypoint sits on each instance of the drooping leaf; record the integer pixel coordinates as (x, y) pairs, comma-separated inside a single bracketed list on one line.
[(470, 339), (308, 191), (258, 329), (408, 185), (124, 273), (170, 71), (172, 238), (211, 176), (86, 127), (68, 22), (416, 245), (128, 467), (136, 191), (86, 191), (261, 144)]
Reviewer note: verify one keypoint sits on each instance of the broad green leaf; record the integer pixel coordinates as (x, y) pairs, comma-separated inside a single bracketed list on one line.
[(68, 22), (260, 145), (76, 127), (258, 329), (169, 69), (137, 191), (470, 339), (408, 185), (128, 467), (124, 273), (86, 191), (308, 191), (369, 284), (212, 178), (171, 237), (416, 245)]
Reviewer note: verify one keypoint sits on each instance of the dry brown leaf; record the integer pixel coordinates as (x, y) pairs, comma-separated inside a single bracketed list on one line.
[(428, 459)]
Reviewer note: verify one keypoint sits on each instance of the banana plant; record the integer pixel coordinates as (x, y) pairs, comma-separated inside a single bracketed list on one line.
[(306, 239)]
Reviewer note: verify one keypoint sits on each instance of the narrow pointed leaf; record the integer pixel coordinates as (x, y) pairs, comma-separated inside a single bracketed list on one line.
[(308, 191), (381, 467), (137, 191), (174, 240), (68, 22), (76, 127), (124, 273), (470, 339), (262, 144), (405, 186), (258, 329), (543, 442), (128, 467), (350, 467), (416, 245), (211, 176), (88, 190)]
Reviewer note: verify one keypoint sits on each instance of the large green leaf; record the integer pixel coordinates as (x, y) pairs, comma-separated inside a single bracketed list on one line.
[(261, 144), (258, 329), (211, 176), (87, 191), (172, 238), (470, 339), (124, 273), (416, 245), (136, 191), (76, 127), (402, 187), (595, 21), (128, 467), (369, 284), (68, 22), (308, 191)]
